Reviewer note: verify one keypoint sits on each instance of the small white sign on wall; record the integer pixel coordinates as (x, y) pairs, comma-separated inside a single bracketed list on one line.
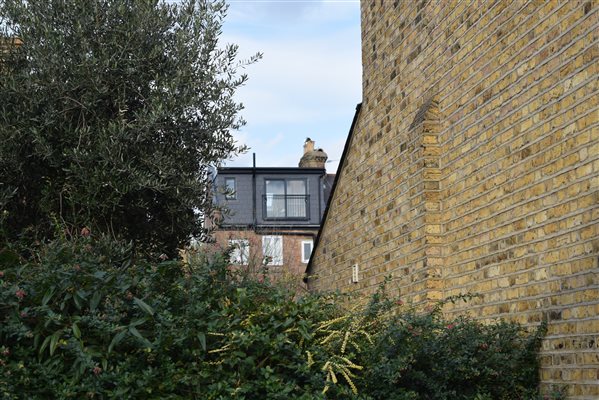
[(355, 273)]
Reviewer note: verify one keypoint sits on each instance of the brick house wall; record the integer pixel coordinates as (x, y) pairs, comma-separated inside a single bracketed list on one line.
[(473, 166), (293, 268)]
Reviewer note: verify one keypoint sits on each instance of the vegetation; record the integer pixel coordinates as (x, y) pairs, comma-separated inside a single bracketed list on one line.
[(87, 317), (111, 113)]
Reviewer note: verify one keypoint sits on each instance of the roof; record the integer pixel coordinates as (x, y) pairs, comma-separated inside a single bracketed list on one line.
[(270, 170), (328, 207)]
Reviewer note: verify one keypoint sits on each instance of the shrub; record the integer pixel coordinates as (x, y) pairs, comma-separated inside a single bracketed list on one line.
[(88, 318), (423, 355)]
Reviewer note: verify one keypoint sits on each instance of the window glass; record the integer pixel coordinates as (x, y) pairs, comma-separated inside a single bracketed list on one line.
[(275, 198), (286, 198), (240, 251), (231, 188), (296, 198), (296, 186), (306, 250), (275, 186), (272, 249)]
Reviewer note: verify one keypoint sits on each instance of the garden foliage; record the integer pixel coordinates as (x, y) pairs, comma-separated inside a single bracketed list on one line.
[(111, 114), (86, 317)]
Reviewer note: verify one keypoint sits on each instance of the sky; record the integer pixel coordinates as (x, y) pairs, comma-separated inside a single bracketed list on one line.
[(307, 83)]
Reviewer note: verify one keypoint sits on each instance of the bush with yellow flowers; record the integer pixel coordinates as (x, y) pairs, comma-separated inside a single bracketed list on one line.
[(86, 316)]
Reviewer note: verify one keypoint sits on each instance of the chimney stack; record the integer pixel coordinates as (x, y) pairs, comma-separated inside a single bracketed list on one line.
[(312, 158), (308, 145)]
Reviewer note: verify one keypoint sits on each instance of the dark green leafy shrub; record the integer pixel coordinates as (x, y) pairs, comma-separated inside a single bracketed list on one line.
[(88, 318), (424, 356)]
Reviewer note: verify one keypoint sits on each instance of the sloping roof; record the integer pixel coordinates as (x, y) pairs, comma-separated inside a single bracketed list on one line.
[(337, 175), (329, 181)]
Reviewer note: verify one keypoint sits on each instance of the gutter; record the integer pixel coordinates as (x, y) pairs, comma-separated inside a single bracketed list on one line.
[(330, 199), (270, 170), (266, 228)]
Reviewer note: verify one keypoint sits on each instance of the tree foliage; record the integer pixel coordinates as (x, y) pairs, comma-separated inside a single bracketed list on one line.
[(111, 113)]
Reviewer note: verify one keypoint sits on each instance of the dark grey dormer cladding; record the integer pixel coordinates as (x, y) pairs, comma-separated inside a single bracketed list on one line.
[(290, 197)]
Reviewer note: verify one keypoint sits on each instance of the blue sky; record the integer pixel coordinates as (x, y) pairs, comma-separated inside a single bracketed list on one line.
[(306, 85)]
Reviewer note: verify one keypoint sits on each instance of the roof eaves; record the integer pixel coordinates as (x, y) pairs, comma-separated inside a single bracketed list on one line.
[(269, 170), (328, 207)]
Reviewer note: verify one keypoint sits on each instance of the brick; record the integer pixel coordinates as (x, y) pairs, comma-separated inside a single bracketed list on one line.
[(495, 189)]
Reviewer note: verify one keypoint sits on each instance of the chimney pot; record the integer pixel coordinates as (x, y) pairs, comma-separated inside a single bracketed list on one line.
[(308, 146)]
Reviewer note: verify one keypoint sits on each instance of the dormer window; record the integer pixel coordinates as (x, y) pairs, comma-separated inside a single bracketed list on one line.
[(286, 199)]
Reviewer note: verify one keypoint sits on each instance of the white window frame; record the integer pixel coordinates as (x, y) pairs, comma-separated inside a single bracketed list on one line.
[(272, 250), (306, 257), (240, 253)]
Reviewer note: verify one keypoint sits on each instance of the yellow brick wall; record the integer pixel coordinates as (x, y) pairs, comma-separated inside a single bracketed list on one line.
[(474, 167)]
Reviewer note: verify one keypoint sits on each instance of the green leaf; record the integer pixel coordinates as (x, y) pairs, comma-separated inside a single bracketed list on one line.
[(116, 340), (77, 300), (47, 296), (303, 332), (145, 307), (76, 331), (44, 344), (202, 339), (99, 274), (54, 342), (138, 335), (79, 367), (95, 300), (133, 330), (138, 321)]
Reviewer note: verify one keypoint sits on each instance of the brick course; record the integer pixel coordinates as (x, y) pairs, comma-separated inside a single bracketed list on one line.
[(474, 167)]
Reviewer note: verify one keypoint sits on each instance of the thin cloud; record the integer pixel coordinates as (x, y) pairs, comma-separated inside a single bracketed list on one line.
[(288, 10), (300, 80), (275, 141)]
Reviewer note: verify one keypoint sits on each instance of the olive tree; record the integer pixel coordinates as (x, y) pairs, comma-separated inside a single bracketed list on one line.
[(112, 113)]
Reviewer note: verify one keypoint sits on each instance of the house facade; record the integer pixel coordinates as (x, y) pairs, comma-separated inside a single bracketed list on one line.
[(273, 214), (472, 166)]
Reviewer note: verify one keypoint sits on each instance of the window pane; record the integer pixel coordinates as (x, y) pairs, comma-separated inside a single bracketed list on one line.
[(240, 252), (275, 206), (296, 198), (272, 249), (275, 199), (306, 250), (296, 206), (296, 186), (275, 187), (230, 187)]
